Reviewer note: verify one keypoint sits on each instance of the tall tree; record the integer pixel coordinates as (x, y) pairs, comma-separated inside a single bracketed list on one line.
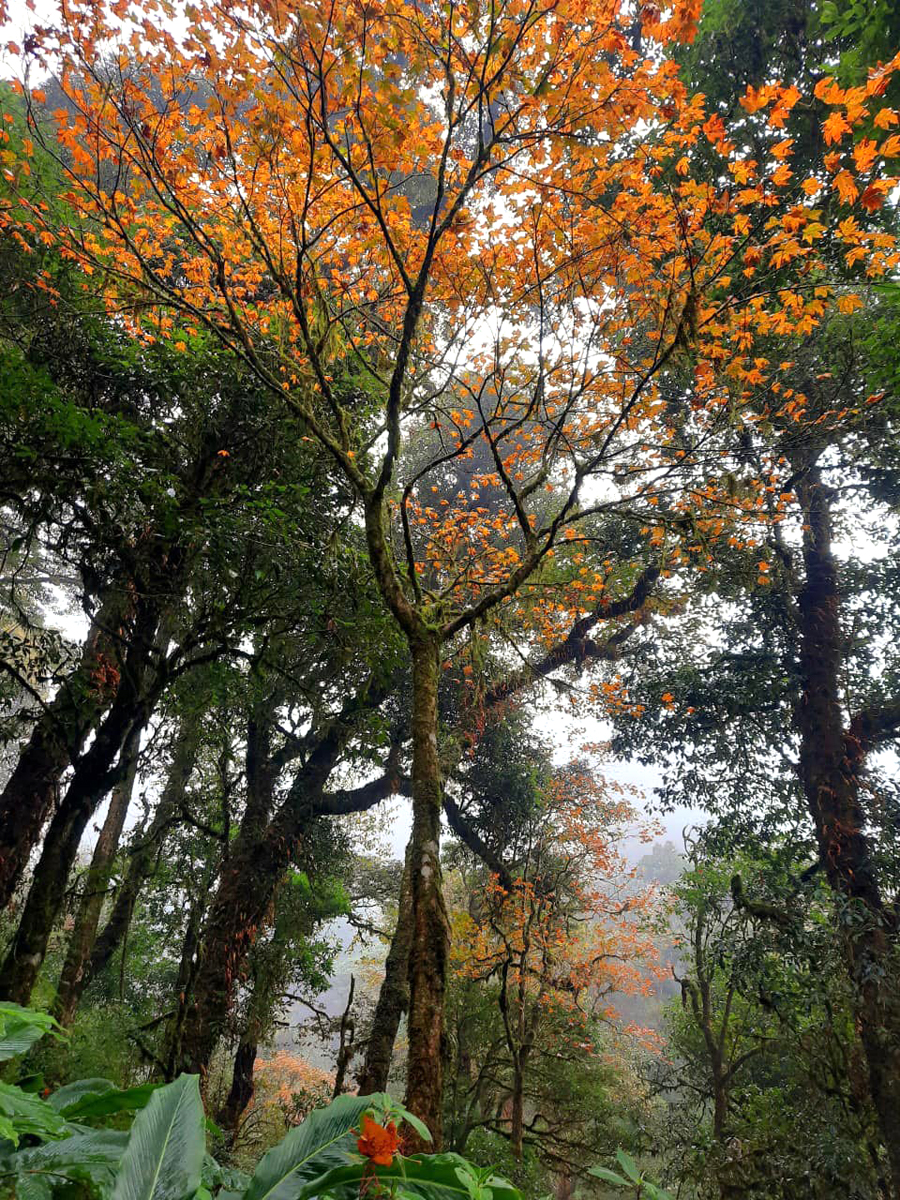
[(504, 314)]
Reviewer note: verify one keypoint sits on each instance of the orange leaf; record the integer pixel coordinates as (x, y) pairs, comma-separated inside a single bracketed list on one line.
[(834, 128), (845, 186)]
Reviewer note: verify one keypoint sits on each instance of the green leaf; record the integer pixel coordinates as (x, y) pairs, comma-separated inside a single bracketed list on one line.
[(323, 1143), (427, 1176), (397, 1110), (628, 1165), (104, 1103), (23, 1114), (164, 1155), (608, 1176), (22, 1027), (73, 1092), (89, 1158)]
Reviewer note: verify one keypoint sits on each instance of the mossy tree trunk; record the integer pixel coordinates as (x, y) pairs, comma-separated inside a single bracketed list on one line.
[(430, 932), (96, 882), (832, 759), (393, 997), (55, 744)]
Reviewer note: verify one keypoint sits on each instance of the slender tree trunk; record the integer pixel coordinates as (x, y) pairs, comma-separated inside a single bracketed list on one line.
[(247, 883), (55, 743), (184, 980), (393, 996), (248, 880), (345, 1043), (142, 861), (243, 897), (517, 1110), (242, 1086), (430, 941), (831, 760), (96, 881), (90, 783)]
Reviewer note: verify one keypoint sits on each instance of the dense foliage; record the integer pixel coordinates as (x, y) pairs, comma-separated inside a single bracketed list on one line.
[(413, 417)]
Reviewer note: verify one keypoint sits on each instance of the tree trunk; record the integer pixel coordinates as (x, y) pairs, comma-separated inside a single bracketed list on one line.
[(430, 941), (393, 996), (247, 882), (184, 980), (257, 862), (830, 764), (55, 743), (96, 881), (517, 1111), (142, 861), (242, 1086), (89, 784)]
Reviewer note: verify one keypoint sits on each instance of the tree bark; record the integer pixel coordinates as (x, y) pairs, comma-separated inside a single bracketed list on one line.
[(393, 996), (242, 1087), (90, 782), (430, 941), (142, 861), (247, 883), (184, 980), (260, 856), (55, 744), (96, 881), (830, 765)]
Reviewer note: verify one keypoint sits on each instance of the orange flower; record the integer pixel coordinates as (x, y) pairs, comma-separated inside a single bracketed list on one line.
[(378, 1143)]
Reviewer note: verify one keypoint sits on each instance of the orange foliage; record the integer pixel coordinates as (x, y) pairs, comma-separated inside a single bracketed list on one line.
[(291, 1084), (575, 930), (493, 211)]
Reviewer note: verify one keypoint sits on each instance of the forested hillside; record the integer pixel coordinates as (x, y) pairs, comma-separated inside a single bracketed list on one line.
[(419, 421)]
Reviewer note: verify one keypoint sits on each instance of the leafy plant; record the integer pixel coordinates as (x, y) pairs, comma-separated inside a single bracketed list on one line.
[(338, 1150), (644, 1189), (21, 1027)]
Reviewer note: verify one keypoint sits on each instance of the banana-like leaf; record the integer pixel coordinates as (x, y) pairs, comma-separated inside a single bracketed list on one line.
[(71, 1093), (104, 1103), (164, 1154), (429, 1176), (22, 1113), (21, 1027), (87, 1158), (326, 1141)]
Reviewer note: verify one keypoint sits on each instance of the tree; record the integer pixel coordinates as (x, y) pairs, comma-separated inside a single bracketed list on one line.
[(763, 1039), (550, 949), (275, 201)]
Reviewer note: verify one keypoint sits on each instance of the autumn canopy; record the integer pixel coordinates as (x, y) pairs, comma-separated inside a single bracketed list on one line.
[(510, 276)]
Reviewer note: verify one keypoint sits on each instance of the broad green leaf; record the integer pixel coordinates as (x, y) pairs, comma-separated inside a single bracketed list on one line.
[(22, 1113), (73, 1092), (164, 1155), (21, 1027), (105, 1103), (608, 1176), (87, 1158), (426, 1176), (628, 1165), (324, 1142)]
